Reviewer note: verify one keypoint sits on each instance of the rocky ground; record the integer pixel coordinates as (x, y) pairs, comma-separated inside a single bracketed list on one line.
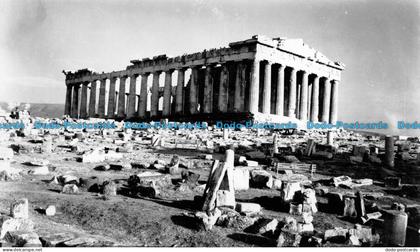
[(145, 188)]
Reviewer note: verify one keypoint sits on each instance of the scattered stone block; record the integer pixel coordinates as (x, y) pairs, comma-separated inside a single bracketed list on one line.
[(68, 179), (337, 234), (225, 198), (207, 221), (371, 216), (349, 206), (306, 228), (241, 179), (352, 241), (277, 184), (8, 224), (6, 153), (307, 218), (20, 209), (248, 207), (70, 189), (50, 210), (289, 190), (109, 189), (289, 239), (261, 179), (251, 163), (342, 180), (23, 239), (295, 208), (190, 178)]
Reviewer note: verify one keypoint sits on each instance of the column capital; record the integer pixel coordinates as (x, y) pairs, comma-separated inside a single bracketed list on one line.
[(123, 77), (145, 74)]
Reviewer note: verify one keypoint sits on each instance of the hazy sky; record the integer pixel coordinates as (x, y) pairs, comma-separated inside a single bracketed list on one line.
[(377, 40)]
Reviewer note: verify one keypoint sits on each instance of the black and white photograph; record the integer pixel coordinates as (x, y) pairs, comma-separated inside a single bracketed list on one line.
[(209, 123)]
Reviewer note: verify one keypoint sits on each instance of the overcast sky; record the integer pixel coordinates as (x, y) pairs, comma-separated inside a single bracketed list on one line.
[(377, 40)]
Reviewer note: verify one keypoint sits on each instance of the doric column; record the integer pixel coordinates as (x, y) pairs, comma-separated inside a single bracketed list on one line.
[(267, 89), (326, 101), (303, 108), (254, 87), (208, 90), (334, 101), (179, 100), (111, 98), (154, 108), (67, 107), (143, 96), (292, 94), (194, 91), (280, 91), (315, 100), (83, 102), (92, 99), (75, 104), (101, 104), (240, 85), (121, 97), (223, 89), (167, 93), (131, 106)]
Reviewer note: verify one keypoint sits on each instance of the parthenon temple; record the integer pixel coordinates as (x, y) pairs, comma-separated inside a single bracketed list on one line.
[(275, 77)]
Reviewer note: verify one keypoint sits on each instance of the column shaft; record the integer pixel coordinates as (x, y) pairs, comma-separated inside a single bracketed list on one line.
[(167, 93), (208, 90), (267, 89), (179, 105), (92, 99), (154, 108), (121, 97), (334, 101), (223, 89), (304, 98), (193, 91), (131, 106), (101, 104), (280, 91), (292, 94), (254, 88), (326, 101), (111, 98), (240, 85), (75, 103), (143, 96), (315, 100), (83, 102), (67, 107)]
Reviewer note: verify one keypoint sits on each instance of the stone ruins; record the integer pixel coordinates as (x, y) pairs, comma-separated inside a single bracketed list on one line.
[(259, 76)]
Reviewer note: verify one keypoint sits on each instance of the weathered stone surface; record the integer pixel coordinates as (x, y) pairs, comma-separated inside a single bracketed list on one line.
[(20, 209), (13, 224), (352, 241), (241, 179), (173, 166), (289, 190), (342, 180), (337, 234), (277, 184), (109, 189), (349, 207), (23, 239), (190, 178), (307, 218), (225, 198), (261, 179), (266, 226), (289, 239), (207, 221), (68, 179), (307, 228), (70, 189), (243, 207)]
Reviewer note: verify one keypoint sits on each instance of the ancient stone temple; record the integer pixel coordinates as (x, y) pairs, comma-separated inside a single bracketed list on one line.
[(256, 78)]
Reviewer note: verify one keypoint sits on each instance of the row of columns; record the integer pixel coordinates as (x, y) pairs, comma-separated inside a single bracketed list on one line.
[(300, 108), (304, 108)]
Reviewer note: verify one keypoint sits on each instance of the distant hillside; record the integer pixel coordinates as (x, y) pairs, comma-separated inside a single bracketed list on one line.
[(39, 109)]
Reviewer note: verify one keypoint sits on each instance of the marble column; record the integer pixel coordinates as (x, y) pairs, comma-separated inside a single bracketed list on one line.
[(154, 108), (67, 107), (75, 102), (179, 100), (83, 102), (92, 99), (223, 89), (315, 100), (167, 93), (194, 91), (101, 104), (280, 91), (131, 106), (143, 96), (208, 90), (292, 94), (266, 109), (111, 97), (326, 101), (254, 88), (304, 98), (240, 85), (334, 101), (121, 97)]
